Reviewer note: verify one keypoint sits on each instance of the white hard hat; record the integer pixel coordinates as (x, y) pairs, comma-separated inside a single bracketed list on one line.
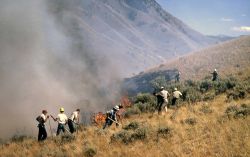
[(175, 88), (215, 70), (116, 107), (162, 87)]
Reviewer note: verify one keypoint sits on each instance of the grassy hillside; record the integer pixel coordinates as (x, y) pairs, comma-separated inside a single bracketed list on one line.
[(231, 57), (212, 119), (218, 126), (195, 131)]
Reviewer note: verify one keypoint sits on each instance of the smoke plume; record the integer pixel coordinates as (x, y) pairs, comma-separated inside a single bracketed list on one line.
[(46, 63)]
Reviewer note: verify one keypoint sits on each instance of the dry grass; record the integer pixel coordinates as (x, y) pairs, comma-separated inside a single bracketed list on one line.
[(230, 58), (211, 135)]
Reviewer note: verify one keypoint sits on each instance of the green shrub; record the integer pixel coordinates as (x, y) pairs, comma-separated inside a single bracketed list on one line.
[(192, 95), (146, 107), (139, 134), (90, 152), (239, 92), (145, 102), (141, 106), (145, 98), (165, 132), (190, 83), (231, 110), (127, 137), (132, 126), (190, 121), (122, 136), (158, 82), (206, 85), (208, 96), (235, 111), (236, 95), (231, 82), (132, 111), (222, 86)]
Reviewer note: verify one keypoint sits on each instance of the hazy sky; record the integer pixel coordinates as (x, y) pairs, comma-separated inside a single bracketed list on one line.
[(212, 17)]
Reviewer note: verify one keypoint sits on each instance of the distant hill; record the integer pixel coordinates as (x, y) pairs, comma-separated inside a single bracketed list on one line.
[(229, 58), (134, 34), (221, 37)]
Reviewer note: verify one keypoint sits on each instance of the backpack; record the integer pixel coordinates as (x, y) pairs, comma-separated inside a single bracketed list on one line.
[(39, 119), (108, 113)]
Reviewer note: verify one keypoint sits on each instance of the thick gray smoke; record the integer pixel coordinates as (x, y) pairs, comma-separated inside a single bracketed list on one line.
[(46, 63)]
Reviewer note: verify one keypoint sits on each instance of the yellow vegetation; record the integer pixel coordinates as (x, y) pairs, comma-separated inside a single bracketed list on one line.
[(194, 133)]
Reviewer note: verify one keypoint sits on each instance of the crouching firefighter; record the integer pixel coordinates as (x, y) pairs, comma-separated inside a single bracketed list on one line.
[(42, 134), (111, 117), (74, 121)]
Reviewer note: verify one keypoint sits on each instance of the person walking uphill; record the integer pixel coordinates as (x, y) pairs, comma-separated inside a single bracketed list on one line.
[(163, 104), (62, 121), (176, 95), (215, 75), (111, 117), (73, 121), (42, 134), (177, 77)]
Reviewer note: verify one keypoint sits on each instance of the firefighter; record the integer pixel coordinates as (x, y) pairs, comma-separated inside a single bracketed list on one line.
[(73, 121), (177, 77), (215, 75), (176, 95), (111, 117), (42, 133), (162, 100), (62, 121)]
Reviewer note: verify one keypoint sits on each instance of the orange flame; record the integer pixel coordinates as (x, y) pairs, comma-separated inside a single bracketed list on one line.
[(125, 102), (99, 118)]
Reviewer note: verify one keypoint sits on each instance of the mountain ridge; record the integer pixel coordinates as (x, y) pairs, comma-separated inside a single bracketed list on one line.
[(136, 34)]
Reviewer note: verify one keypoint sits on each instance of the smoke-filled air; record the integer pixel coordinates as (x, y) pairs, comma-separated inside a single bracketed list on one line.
[(46, 63), (124, 78)]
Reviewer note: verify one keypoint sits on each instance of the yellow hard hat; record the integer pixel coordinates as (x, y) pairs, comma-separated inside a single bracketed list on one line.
[(61, 109)]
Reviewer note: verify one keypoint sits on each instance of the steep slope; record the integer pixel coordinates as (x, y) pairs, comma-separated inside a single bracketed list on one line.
[(231, 57), (135, 34)]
